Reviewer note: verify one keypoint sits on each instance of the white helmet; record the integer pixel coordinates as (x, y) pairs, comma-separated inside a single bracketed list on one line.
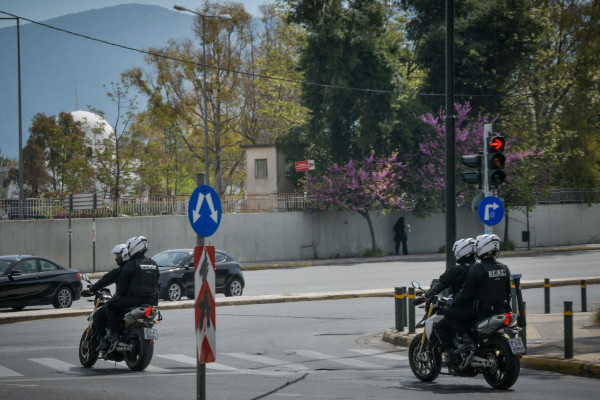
[(125, 254), (118, 248), (464, 248), (137, 245), (487, 245)]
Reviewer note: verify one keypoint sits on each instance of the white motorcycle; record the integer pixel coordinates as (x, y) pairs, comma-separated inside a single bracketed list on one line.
[(497, 352), (137, 335)]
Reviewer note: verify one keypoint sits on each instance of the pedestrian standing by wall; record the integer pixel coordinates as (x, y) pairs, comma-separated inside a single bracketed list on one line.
[(400, 236)]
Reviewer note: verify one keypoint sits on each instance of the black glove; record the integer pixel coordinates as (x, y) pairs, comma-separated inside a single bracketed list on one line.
[(87, 293)]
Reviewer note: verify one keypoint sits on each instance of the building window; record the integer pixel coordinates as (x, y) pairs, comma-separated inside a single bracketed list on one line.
[(260, 171)]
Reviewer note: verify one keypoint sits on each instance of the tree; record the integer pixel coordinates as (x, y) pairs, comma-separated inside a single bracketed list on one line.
[(528, 168), (35, 175), (364, 187), (65, 148), (117, 158), (346, 48), (554, 93), (176, 88), (490, 38)]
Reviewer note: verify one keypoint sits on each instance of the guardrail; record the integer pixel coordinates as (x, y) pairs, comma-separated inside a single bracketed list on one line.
[(57, 208)]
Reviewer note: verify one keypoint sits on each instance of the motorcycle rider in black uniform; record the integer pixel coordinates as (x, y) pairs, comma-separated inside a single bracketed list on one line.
[(487, 292), (138, 285), (114, 276), (453, 279)]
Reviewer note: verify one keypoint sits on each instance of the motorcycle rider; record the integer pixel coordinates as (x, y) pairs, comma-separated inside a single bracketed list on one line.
[(486, 292), (138, 284), (453, 279), (114, 276)]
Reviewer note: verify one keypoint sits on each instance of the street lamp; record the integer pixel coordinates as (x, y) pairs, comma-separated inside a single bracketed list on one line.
[(21, 195), (223, 17)]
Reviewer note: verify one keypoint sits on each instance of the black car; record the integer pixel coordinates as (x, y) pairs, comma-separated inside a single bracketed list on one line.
[(32, 280), (177, 274)]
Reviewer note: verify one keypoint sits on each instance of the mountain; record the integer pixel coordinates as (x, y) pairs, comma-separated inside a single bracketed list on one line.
[(60, 70)]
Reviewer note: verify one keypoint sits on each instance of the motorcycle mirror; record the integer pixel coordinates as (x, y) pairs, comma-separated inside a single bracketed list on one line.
[(86, 278), (416, 285)]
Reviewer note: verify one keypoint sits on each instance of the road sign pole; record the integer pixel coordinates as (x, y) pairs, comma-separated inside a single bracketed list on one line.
[(200, 368)]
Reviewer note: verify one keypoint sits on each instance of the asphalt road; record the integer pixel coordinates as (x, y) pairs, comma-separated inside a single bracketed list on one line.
[(310, 350), (387, 275)]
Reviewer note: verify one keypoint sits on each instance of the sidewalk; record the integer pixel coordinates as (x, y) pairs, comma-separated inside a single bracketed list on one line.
[(545, 344)]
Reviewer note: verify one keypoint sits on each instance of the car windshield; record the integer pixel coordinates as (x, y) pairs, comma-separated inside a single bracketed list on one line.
[(4, 264), (170, 258)]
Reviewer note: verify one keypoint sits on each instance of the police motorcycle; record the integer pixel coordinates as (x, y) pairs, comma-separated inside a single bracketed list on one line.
[(137, 335), (496, 355)]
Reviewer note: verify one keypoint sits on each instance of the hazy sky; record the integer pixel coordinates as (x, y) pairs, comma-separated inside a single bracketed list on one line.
[(41, 10)]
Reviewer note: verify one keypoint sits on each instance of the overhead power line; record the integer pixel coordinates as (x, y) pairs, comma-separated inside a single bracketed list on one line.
[(252, 74)]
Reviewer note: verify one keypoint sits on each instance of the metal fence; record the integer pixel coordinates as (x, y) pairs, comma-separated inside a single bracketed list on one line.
[(57, 208), (567, 196)]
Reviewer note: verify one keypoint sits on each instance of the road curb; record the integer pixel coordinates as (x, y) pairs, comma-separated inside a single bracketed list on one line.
[(563, 366), (21, 316)]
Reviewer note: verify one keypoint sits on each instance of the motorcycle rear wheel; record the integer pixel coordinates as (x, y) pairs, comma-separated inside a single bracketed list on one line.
[(140, 356), (507, 364), (426, 364), (87, 349)]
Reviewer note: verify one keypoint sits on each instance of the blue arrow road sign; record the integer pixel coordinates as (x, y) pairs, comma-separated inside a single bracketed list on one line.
[(204, 210), (491, 210)]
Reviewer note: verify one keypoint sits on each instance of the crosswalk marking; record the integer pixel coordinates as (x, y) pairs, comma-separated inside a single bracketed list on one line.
[(5, 372), (58, 365), (275, 366), (192, 361), (179, 358), (380, 354), (152, 368), (268, 361), (345, 361)]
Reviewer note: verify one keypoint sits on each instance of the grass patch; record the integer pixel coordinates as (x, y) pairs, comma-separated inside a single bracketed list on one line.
[(374, 252)]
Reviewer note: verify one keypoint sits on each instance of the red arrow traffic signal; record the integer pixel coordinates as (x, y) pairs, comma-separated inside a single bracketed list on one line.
[(497, 143)]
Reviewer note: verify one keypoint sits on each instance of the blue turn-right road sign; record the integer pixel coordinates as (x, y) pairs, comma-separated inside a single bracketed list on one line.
[(491, 210)]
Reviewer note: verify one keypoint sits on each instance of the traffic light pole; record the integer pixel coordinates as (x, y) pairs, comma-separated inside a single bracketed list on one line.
[(487, 132)]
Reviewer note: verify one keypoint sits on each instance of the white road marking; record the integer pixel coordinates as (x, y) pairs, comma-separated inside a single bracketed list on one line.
[(380, 354), (345, 361), (268, 361), (5, 372)]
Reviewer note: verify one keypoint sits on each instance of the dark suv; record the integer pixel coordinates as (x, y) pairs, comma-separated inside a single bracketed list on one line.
[(177, 274)]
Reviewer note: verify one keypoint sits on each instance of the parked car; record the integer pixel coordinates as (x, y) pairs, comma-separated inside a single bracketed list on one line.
[(27, 280), (177, 274)]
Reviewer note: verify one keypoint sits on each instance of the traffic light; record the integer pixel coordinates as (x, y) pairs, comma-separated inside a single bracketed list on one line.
[(473, 161), (495, 160)]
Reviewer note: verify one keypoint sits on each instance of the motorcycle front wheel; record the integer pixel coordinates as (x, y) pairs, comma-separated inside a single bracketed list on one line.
[(507, 369), (142, 350), (87, 349), (425, 364)]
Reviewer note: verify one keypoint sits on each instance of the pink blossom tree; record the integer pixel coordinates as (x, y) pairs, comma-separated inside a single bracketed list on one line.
[(368, 186)]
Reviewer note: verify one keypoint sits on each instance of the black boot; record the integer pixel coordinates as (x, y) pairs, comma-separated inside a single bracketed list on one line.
[(452, 358), (467, 344)]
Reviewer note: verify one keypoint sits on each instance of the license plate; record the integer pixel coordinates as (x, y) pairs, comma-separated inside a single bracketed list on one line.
[(516, 345), (150, 334)]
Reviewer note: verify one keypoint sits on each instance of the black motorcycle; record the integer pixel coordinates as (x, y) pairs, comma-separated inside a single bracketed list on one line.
[(497, 353), (136, 336)]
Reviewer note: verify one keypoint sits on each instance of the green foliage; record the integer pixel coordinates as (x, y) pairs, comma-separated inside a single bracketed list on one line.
[(507, 245), (346, 48), (491, 37), (376, 252), (66, 151)]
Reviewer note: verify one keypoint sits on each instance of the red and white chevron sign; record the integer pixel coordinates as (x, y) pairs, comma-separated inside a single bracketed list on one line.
[(204, 287)]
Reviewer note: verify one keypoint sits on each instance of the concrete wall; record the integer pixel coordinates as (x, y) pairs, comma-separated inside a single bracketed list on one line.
[(287, 235)]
